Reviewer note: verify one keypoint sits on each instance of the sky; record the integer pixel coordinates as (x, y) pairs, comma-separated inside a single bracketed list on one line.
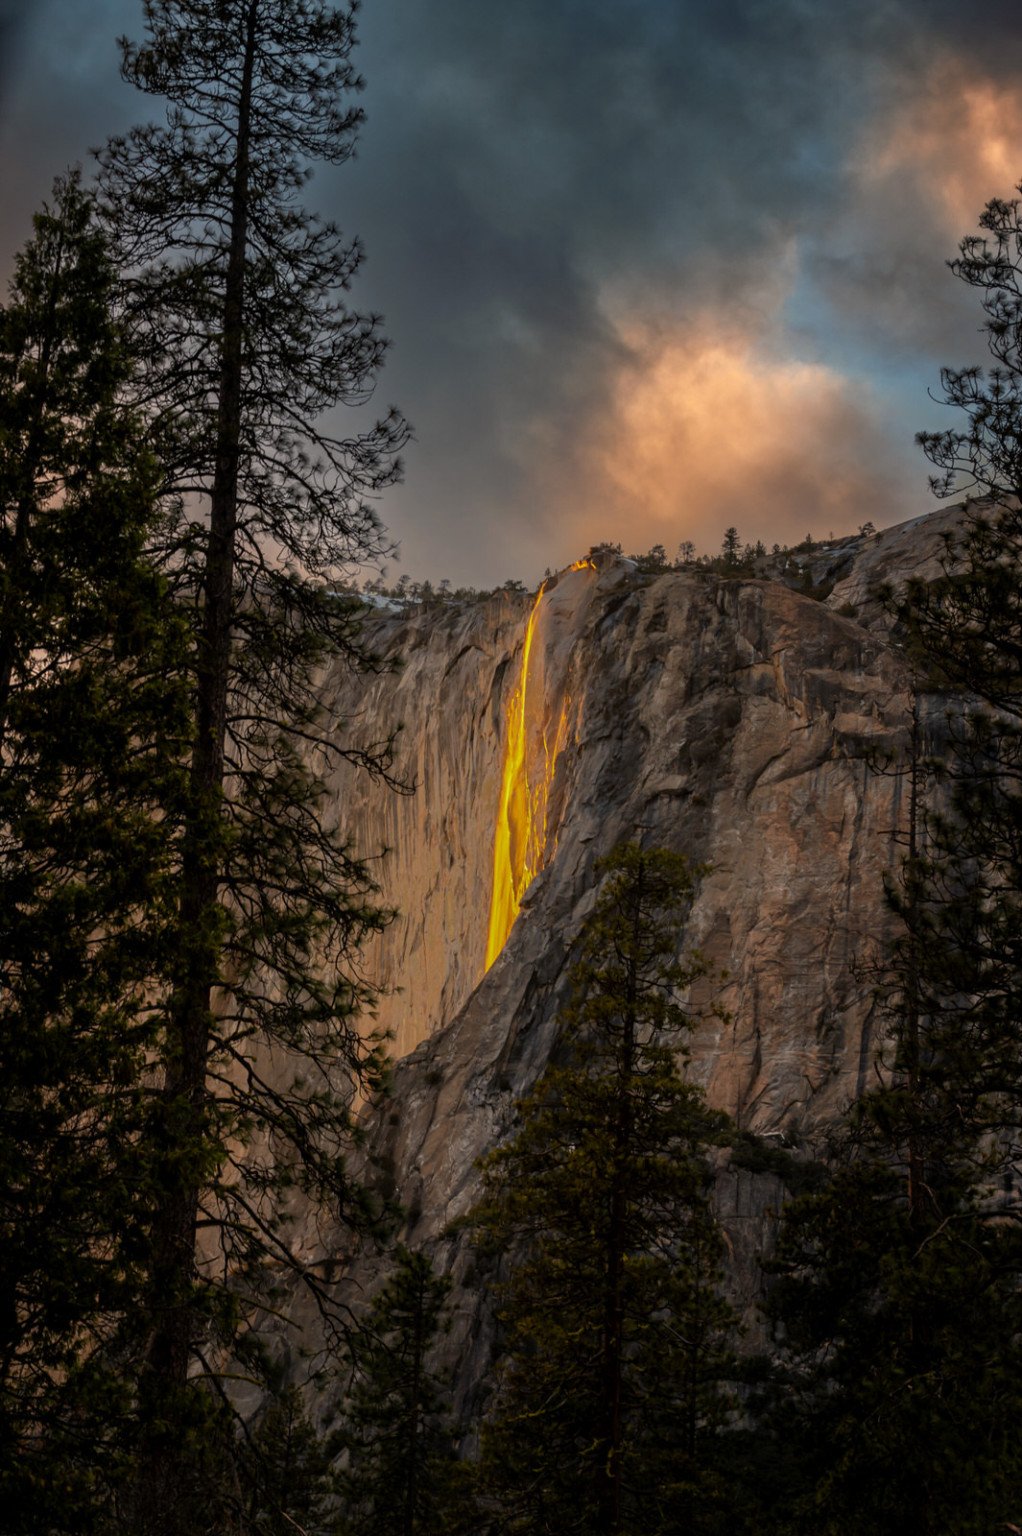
[(650, 268)]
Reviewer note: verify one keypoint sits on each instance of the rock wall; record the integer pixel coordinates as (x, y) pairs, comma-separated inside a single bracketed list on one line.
[(735, 721)]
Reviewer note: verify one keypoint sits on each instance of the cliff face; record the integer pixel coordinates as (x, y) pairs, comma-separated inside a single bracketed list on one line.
[(734, 721)]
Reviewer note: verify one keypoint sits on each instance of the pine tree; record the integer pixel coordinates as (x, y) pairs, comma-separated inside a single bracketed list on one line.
[(234, 295), (290, 1484), (896, 1295), (964, 632), (400, 1477), (93, 721), (731, 559), (898, 1292), (617, 1339), (901, 1283)]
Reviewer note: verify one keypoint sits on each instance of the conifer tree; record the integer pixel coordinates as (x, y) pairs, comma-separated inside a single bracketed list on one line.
[(617, 1339), (93, 722), (400, 1477), (731, 558), (900, 1282), (235, 297), (287, 1472)]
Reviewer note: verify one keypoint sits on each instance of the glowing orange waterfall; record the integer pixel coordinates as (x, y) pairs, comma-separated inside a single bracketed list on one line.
[(513, 832), (520, 839)]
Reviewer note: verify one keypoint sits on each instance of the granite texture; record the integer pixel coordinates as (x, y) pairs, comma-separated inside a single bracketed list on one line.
[(737, 721)]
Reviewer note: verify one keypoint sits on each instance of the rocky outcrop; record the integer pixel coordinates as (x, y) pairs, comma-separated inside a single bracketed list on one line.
[(884, 560), (737, 721)]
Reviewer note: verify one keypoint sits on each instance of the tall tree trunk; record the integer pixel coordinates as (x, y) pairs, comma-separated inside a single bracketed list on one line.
[(609, 1471), (185, 1106), (916, 1161), (920, 1202)]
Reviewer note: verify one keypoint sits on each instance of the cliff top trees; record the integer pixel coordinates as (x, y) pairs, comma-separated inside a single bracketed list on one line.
[(969, 626), (965, 634), (235, 298), (616, 1334)]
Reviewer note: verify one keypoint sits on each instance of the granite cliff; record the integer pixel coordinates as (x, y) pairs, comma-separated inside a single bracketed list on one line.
[(737, 721)]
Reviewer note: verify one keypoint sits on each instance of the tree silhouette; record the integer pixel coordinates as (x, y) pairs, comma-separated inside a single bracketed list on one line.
[(235, 297), (94, 722), (616, 1334), (900, 1282), (400, 1476)]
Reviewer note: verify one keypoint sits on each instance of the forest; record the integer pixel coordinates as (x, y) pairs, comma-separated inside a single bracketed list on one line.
[(186, 1035)]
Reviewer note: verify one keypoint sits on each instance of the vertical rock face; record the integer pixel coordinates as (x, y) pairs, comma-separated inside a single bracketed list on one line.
[(453, 693), (735, 721)]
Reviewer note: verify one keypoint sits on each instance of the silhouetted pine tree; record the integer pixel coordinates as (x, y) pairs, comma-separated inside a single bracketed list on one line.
[(288, 1484), (400, 1476), (234, 294), (899, 1295), (93, 721), (732, 560), (617, 1340)]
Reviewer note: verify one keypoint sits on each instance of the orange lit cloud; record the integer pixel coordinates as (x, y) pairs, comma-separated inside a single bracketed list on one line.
[(704, 428), (913, 186), (958, 139)]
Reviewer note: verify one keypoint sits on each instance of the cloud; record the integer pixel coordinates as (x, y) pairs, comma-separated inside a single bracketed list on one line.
[(529, 174), (916, 178), (62, 96), (566, 174), (957, 142), (13, 16), (562, 203), (707, 427)]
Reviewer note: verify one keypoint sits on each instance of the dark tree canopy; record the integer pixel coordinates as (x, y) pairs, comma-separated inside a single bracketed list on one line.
[(94, 721), (611, 1388), (235, 297), (236, 293), (399, 1477), (900, 1289)]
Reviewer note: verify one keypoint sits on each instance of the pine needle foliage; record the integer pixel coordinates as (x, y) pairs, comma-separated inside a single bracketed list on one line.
[(399, 1476), (94, 721), (290, 1485), (235, 297), (616, 1339), (900, 1284), (902, 1362)]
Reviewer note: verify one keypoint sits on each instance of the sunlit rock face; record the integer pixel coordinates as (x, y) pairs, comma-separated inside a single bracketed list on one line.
[(485, 700), (735, 721), (731, 720)]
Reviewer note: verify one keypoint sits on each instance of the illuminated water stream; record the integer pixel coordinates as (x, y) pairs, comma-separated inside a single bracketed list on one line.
[(521, 833)]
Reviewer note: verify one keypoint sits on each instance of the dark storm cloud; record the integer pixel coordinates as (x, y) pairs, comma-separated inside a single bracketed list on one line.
[(551, 166), (943, 135), (63, 97), (548, 160), (987, 32), (13, 15), (562, 201)]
